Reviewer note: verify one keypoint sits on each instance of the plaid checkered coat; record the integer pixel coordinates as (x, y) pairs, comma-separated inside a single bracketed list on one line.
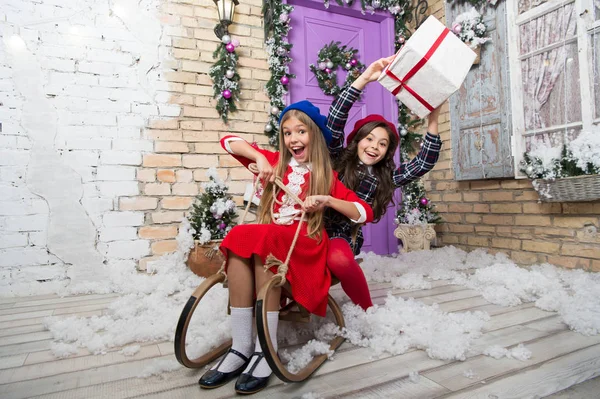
[(336, 224)]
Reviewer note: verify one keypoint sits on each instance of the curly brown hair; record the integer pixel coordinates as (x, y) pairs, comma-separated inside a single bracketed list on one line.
[(348, 162)]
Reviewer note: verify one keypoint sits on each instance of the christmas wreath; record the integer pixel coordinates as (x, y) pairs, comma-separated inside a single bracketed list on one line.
[(330, 57)]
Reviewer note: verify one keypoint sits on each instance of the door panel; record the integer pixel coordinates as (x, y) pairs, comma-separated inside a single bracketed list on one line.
[(373, 36), (480, 109)]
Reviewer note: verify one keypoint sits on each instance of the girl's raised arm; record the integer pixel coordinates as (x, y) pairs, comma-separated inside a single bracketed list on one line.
[(427, 156), (372, 72), (246, 153)]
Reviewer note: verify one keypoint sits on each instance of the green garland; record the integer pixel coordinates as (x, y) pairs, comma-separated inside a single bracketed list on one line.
[(330, 57), (225, 79), (277, 27)]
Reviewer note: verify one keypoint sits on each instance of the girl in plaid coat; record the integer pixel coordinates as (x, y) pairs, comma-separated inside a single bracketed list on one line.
[(366, 166)]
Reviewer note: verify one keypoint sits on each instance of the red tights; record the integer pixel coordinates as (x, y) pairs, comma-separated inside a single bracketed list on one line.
[(340, 261)]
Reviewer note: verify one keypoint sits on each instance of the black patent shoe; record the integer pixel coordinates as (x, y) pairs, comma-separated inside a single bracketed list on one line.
[(248, 384), (215, 378)]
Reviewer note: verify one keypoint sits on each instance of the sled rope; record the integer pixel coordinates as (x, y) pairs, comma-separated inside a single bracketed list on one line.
[(282, 267)]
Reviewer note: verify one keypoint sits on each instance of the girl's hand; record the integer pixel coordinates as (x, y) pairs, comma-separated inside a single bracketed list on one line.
[(316, 203), (265, 170), (372, 72)]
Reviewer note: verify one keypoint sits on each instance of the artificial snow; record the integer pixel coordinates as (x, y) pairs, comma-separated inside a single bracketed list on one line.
[(400, 325), (148, 309), (495, 351), (130, 350), (149, 306), (414, 377), (520, 352), (470, 374), (61, 349), (300, 358), (158, 367)]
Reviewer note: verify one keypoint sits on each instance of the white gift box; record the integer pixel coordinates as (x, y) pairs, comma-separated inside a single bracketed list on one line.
[(430, 66)]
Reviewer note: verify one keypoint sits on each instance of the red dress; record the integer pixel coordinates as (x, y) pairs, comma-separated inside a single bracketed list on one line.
[(307, 273)]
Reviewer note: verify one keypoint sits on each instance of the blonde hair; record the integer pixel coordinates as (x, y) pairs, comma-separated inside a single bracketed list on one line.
[(321, 176)]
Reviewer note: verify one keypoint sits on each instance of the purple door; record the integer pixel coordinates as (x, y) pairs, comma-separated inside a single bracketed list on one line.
[(313, 26)]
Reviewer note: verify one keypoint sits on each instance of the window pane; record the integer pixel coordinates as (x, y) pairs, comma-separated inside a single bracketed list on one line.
[(551, 92), (548, 29), (552, 139), (594, 67), (526, 5)]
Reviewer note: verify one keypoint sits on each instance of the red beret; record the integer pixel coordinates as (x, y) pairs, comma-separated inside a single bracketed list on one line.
[(371, 118)]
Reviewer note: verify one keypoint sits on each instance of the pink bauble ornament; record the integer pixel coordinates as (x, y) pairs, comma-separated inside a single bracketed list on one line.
[(284, 17), (226, 94), (456, 28), (230, 47), (327, 70), (235, 42), (353, 62), (285, 80), (322, 66), (424, 201), (401, 40), (222, 226)]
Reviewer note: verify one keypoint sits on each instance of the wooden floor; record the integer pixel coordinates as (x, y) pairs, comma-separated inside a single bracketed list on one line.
[(561, 358)]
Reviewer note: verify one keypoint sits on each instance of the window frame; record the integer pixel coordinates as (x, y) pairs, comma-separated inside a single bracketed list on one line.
[(586, 27)]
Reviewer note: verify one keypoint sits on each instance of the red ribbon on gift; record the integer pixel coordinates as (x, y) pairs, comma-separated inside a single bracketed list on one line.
[(415, 69)]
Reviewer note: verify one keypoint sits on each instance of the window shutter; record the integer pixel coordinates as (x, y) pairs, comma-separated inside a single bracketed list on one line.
[(480, 109)]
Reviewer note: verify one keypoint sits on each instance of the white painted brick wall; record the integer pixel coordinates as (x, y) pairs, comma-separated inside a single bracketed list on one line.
[(136, 249), (93, 65), (126, 218), (108, 234)]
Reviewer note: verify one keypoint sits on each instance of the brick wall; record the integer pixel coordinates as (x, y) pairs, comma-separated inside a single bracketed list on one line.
[(184, 148), (505, 215), (108, 128)]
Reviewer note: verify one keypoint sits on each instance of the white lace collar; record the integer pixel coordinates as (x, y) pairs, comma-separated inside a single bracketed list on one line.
[(294, 163)]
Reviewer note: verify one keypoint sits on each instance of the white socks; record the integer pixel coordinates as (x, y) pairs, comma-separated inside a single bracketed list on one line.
[(263, 369), (241, 334)]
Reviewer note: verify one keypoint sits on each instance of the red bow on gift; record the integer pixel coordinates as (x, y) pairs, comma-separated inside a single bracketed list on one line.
[(415, 69)]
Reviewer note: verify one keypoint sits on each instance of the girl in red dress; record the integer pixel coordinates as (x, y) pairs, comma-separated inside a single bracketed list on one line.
[(304, 166)]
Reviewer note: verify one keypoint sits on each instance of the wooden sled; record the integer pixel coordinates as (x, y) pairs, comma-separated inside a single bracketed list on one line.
[(288, 313), (184, 321)]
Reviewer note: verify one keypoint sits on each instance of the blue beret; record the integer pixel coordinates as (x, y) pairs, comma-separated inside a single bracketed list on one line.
[(313, 113)]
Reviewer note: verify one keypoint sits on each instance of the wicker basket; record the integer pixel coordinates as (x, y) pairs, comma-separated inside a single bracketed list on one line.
[(569, 189), (205, 260)]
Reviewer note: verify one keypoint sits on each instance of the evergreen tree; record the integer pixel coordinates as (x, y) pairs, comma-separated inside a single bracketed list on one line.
[(415, 207), (214, 211)]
